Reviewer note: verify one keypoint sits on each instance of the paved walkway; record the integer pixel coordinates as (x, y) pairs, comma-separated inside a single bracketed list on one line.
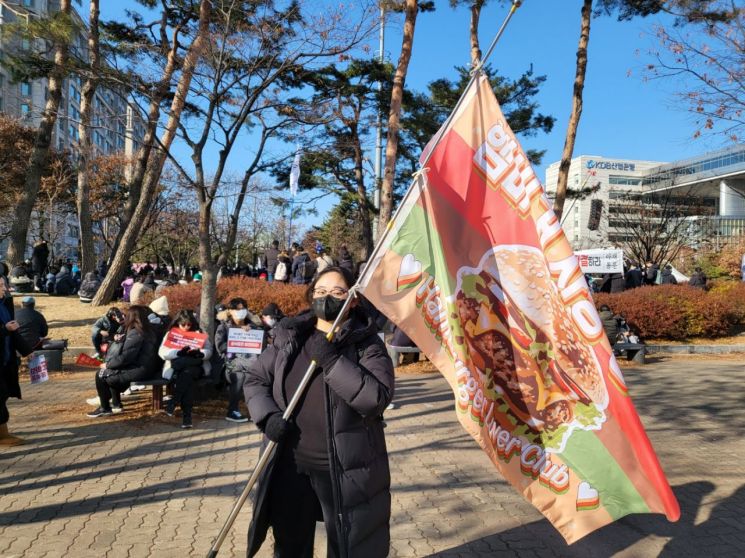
[(140, 488)]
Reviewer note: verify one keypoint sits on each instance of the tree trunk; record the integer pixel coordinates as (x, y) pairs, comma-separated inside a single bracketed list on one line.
[(474, 32), (206, 266), (87, 251), (579, 85), (394, 115), (40, 155), (154, 170)]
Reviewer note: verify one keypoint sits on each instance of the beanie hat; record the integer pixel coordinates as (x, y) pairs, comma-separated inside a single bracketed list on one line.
[(160, 306), (272, 309)]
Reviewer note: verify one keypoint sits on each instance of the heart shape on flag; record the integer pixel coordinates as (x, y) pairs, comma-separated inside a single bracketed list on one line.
[(587, 497), (410, 272)]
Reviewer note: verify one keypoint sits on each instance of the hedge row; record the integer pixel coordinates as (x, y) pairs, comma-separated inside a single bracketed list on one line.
[(257, 293), (675, 312), (679, 312)]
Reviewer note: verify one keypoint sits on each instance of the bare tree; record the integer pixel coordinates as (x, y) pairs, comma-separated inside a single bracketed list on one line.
[(574, 117), (250, 66), (704, 52), (87, 253), (654, 227), (147, 172), (40, 154)]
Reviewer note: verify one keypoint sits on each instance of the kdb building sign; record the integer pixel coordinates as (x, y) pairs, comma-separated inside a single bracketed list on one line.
[(607, 165)]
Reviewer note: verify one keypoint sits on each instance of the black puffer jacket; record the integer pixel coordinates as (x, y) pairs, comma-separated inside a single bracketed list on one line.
[(358, 388), (9, 385), (136, 354)]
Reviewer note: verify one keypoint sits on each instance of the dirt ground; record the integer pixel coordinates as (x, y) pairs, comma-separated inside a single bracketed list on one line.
[(68, 318)]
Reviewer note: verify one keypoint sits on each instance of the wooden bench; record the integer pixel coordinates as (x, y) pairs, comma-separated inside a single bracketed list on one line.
[(157, 385), (635, 352), (395, 352)]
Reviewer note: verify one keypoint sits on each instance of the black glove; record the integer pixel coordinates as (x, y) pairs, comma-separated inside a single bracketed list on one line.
[(196, 353), (275, 427), (322, 351), (183, 351)]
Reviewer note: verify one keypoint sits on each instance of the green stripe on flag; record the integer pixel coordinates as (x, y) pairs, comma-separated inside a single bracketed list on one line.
[(418, 236), (588, 458)]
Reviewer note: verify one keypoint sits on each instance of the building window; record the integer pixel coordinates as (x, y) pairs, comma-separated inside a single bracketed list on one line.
[(25, 89), (624, 180), (25, 110), (28, 3)]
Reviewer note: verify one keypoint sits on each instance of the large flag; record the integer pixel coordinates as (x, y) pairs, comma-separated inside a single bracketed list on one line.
[(477, 271), (295, 173)]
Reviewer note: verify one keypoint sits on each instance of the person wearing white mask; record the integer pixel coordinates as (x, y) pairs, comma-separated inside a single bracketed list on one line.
[(236, 363)]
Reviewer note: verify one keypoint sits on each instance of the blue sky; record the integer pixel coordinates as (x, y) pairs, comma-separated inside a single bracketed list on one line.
[(623, 116)]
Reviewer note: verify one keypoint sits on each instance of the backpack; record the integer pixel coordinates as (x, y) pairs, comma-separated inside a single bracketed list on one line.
[(280, 274), (307, 269)]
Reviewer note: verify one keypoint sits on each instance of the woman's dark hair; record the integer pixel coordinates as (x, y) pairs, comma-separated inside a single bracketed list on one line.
[(136, 317), (236, 302), (185, 317), (114, 312), (348, 279), (4, 270)]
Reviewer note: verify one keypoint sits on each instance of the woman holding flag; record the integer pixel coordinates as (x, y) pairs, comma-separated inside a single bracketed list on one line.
[(331, 461)]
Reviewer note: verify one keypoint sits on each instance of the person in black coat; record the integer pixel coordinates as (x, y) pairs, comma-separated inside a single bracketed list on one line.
[(634, 277), (613, 283), (11, 342), (667, 277), (331, 456), (271, 256), (39, 261), (131, 357), (63, 282), (34, 328)]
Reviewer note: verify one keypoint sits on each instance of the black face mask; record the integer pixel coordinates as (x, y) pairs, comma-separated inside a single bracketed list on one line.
[(328, 307)]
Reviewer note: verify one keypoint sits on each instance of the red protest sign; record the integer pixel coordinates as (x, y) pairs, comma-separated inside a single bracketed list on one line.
[(178, 339), (87, 361)]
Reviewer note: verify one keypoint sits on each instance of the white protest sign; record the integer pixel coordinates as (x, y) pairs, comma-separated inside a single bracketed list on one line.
[(37, 367), (241, 341), (600, 261)]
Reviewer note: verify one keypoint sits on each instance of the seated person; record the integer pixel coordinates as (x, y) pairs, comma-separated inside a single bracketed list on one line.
[(235, 364), (33, 326), (615, 327), (89, 287), (183, 366), (20, 280), (49, 282), (271, 315), (400, 339), (63, 282), (130, 358), (105, 328)]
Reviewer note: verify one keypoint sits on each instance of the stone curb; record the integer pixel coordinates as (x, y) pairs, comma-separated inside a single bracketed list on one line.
[(696, 349)]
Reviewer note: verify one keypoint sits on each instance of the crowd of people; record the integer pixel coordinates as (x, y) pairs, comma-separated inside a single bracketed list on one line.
[(636, 275)]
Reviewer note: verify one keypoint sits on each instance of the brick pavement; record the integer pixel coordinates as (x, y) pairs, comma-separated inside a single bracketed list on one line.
[(139, 488)]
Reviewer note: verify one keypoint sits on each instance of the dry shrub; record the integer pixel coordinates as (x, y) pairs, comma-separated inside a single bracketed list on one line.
[(679, 312), (289, 298)]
